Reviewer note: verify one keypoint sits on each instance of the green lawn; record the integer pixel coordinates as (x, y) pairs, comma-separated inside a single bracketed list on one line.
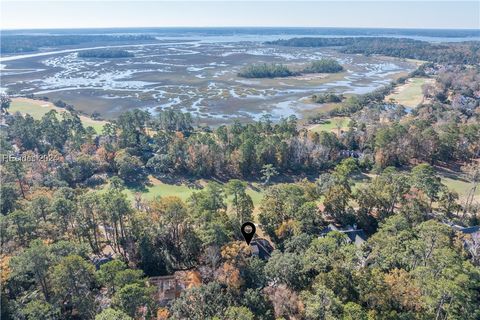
[(34, 109), (158, 189), (183, 191), (409, 94), (257, 196), (459, 186), (163, 189), (331, 124), (97, 125), (37, 109)]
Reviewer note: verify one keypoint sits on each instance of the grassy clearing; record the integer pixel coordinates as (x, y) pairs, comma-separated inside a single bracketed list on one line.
[(460, 186), (37, 109), (183, 191), (409, 94), (331, 125), (257, 195), (159, 188), (453, 183), (95, 124), (318, 109)]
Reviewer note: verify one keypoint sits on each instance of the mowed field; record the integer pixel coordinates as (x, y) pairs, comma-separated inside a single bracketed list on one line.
[(158, 188), (453, 182), (409, 94), (256, 191), (331, 125), (37, 109), (461, 187)]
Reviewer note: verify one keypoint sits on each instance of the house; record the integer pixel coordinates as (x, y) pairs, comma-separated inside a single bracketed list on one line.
[(475, 230), (467, 230), (261, 248), (351, 154), (470, 238), (354, 235), (171, 286), (99, 261)]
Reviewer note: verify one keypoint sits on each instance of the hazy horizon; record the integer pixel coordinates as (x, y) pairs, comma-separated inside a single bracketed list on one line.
[(231, 27), (239, 14)]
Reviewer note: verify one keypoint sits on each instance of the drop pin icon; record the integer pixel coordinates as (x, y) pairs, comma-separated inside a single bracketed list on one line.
[(248, 231)]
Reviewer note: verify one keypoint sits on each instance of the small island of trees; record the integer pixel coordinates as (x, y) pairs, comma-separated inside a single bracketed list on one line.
[(266, 71), (105, 53), (324, 66), (279, 70), (327, 97)]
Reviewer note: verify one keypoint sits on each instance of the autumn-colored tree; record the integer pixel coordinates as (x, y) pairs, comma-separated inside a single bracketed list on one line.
[(230, 276), (337, 204), (404, 290)]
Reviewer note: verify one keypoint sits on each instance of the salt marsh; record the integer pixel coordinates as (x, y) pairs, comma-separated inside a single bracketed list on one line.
[(197, 76)]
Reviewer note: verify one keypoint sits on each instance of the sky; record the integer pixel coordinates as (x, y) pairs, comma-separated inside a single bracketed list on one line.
[(38, 14)]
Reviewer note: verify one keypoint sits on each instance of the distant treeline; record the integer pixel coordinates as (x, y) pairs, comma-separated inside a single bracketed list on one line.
[(209, 31), (31, 43), (279, 70), (461, 53), (105, 53), (314, 42)]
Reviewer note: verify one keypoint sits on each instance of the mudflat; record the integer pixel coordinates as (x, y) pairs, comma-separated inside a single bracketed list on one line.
[(197, 76)]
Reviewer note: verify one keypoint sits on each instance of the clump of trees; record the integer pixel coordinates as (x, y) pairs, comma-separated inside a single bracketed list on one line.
[(138, 144), (5, 102), (323, 66), (328, 97), (62, 104), (266, 71), (279, 70), (105, 54)]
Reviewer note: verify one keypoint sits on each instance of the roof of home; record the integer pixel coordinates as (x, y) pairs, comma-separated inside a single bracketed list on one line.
[(261, 248), (356, 236), (469, 230), (462, 229)]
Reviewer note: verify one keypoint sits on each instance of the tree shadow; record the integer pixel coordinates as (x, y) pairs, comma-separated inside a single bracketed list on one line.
[(454, 173)]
